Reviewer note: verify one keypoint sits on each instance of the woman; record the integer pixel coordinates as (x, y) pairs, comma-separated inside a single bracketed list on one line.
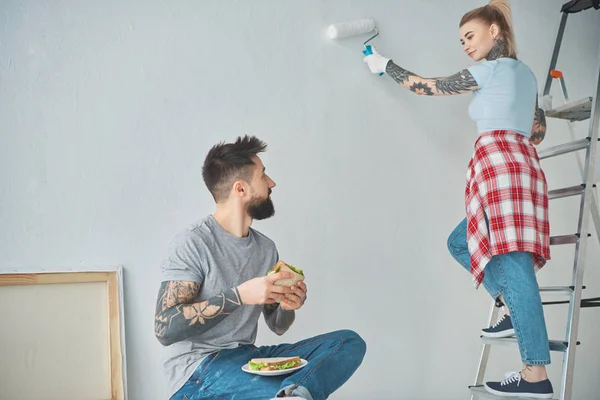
[(506, 231)]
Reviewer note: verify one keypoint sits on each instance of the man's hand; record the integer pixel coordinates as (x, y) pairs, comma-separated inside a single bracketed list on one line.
[(296, 298), (262, 290)]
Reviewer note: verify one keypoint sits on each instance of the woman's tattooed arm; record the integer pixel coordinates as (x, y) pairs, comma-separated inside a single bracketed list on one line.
[(538, 130), (461, 82)]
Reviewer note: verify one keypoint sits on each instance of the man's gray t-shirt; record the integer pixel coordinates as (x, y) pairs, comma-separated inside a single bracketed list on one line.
[(208, 254)]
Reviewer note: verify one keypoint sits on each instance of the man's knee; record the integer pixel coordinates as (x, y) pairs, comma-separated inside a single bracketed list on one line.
[(353, 341)]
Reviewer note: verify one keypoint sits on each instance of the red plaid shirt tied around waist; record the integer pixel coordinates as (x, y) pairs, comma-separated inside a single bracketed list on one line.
[(506, 184)]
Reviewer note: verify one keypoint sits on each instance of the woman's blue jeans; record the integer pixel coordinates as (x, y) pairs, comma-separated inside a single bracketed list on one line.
[(512, 275)]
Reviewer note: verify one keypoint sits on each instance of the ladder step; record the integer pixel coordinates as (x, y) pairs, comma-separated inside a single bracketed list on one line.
[(573, 111), (593, 302), (564, 239), (566, 192), (558, 289), (482, 394), (575, 6), (564, 148), (555, 345), (585, 303)]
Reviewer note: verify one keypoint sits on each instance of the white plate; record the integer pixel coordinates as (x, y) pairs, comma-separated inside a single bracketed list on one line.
[(247, 369)]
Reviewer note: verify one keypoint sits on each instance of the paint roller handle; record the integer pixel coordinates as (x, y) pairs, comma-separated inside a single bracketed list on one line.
[(369, 51)]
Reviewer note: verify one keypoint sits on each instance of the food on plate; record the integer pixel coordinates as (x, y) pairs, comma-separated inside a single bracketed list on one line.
[(273, 363)]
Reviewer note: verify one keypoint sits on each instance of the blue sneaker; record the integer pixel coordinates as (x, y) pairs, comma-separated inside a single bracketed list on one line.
[(502, 328), (515, 386)]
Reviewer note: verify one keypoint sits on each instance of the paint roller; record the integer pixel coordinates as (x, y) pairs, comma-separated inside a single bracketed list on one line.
[(352, 28)]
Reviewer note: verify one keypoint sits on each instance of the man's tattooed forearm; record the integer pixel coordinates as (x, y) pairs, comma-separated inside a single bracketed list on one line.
[(398, 73), (270, 308), (277, 319), (178, 292), (457, 83), (177, 317), (499, 49)]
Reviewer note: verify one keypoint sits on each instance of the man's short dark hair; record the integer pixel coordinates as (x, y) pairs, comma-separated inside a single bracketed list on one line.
[(227, 162)]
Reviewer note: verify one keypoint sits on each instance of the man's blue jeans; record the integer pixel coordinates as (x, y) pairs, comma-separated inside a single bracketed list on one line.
[(512, 275), (332, 360)]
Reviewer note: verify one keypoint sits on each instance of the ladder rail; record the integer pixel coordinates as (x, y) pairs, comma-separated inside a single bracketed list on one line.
[(581, 247), (593, 197), (485, 352), (594, 209), (554, 59)]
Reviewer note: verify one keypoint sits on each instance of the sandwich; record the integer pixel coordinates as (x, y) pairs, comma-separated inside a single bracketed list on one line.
[(273, 363), (297, 274)]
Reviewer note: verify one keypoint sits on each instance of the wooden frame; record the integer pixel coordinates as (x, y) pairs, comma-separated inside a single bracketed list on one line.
[(114, 280)]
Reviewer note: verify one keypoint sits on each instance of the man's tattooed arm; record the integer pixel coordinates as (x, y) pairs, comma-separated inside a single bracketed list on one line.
[(277, 319), (178, 317), (461, 82), (538, 130)]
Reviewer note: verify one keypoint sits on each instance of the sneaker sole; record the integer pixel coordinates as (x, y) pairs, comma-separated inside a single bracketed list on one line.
[(530, 395), (501, 334)]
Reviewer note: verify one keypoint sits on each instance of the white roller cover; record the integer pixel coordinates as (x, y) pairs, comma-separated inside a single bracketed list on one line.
[(345, 29)]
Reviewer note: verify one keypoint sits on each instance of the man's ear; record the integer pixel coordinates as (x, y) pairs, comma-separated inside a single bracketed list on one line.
[(240, 188)]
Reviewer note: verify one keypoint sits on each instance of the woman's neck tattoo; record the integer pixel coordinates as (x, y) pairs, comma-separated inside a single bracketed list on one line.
[(498, 50)]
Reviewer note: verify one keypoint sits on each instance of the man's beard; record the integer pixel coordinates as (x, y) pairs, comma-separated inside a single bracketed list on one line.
[(261, 208)]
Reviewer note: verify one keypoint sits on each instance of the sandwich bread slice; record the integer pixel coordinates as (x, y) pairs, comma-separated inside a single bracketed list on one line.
[(297, 274), (273, 363)]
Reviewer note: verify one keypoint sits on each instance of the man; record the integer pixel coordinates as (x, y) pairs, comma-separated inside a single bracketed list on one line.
[(215, 288)]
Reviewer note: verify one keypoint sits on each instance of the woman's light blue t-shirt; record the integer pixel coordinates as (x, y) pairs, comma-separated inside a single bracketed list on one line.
[(506, 97)]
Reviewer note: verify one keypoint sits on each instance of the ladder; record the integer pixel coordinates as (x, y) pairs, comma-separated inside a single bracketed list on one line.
[(584, 109)]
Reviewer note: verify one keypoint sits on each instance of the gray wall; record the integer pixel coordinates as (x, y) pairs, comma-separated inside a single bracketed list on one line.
[(108, 108)]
